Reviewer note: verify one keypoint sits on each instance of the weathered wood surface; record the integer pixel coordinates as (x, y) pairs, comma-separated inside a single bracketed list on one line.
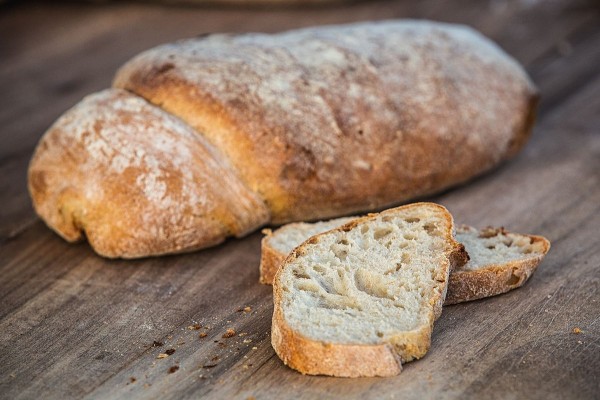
[(74, 325)]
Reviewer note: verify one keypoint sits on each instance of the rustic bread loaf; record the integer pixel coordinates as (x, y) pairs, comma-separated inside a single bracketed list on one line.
[(361, 299), (310, 124), (499, 260)]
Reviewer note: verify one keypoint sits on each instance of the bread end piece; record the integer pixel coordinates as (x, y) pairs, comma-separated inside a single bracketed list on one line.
[(496, 278)]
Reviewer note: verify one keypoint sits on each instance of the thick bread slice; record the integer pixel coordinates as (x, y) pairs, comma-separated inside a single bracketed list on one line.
[(361, 299), (499, 261)]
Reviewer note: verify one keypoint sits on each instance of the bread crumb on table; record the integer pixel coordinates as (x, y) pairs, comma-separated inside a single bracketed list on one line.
[(229, 333), (577, 331)]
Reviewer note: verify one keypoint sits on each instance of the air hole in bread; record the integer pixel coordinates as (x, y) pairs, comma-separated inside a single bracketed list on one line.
[(405, 258), (344, 242), (489, 232), (318, 268), (308, 286), (513, 280), (381, 232), (339, 251), (326, 305), (412, 220), (431, 229), (379, 334), (491, 247), (325, 286), (300, 274), (371, 284), (410, 236), (364, 229)]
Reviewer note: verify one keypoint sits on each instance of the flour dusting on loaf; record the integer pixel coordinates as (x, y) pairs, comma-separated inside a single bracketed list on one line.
[(331, 120), (137, 181)]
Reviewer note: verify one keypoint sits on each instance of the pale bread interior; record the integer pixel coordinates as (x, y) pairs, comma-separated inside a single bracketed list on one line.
[(495, 247), (385, 277), (486, 247), (286, 238)]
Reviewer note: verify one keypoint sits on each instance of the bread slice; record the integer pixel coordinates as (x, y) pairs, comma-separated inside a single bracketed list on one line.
[(361, 299), (500, 260)]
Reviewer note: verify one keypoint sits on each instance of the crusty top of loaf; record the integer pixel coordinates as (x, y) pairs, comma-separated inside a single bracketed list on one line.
[(330, 120)]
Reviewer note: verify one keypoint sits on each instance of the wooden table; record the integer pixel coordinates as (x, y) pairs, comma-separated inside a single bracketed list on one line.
[(74, 325)]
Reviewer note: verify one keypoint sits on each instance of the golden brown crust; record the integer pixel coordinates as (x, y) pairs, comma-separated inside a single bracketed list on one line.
[(331, 120), (270, 259), (467, 285), (316, 357), (136, 181)]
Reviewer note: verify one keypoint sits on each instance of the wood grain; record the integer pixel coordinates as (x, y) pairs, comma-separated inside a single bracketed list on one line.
[(74, 325)]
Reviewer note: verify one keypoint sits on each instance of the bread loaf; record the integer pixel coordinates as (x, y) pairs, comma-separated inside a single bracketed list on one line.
[(302, 125), (361, 299)]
